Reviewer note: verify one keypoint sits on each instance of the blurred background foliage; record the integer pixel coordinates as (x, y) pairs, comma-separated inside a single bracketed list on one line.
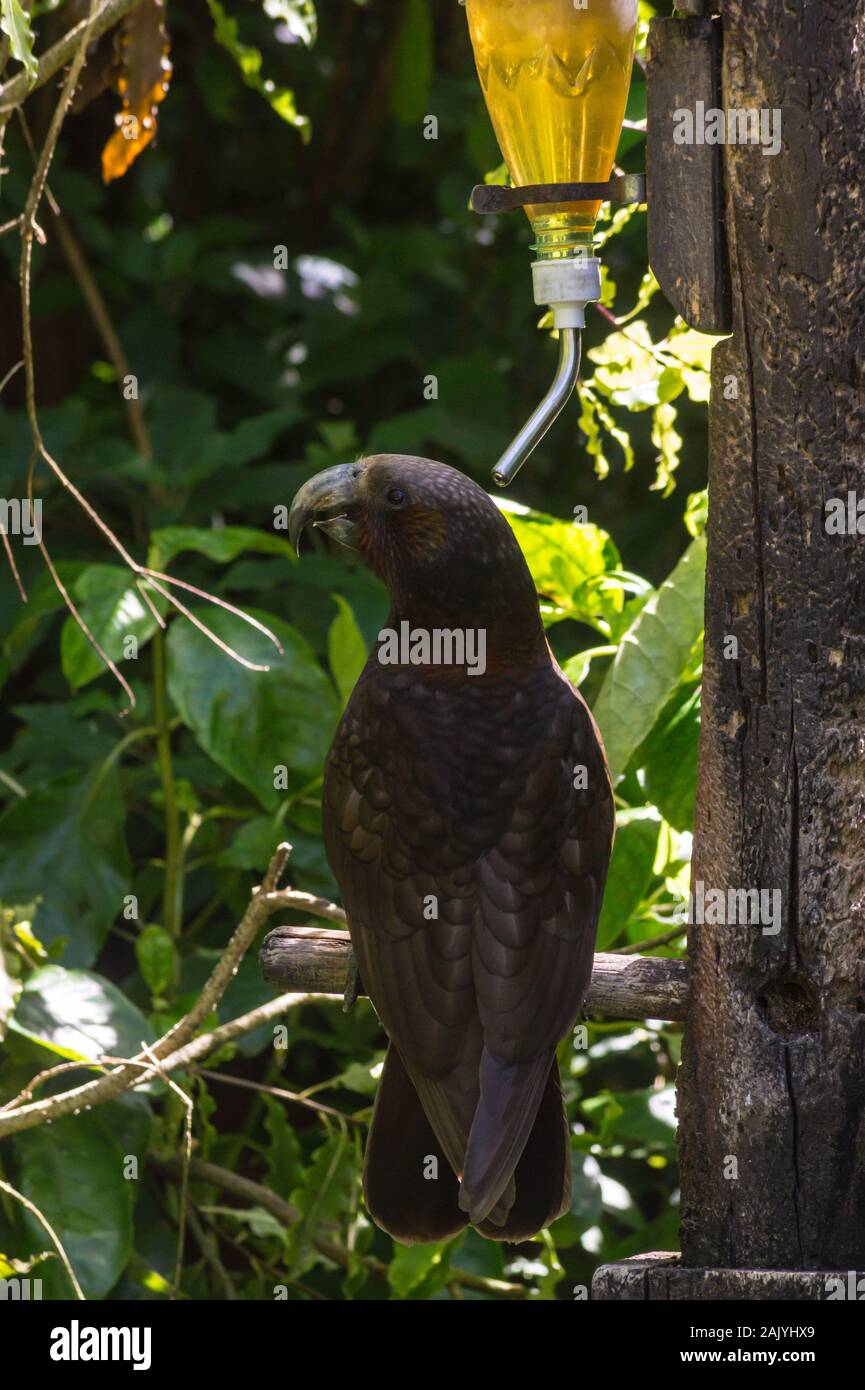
[(294, 277)]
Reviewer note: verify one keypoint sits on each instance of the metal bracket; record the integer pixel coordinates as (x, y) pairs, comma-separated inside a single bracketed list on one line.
[(497, 197)]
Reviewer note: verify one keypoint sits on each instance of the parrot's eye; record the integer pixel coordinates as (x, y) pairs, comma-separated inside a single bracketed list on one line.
[(396, 497)]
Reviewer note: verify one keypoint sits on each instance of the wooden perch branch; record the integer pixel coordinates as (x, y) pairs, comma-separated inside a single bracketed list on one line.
[(313, 960)]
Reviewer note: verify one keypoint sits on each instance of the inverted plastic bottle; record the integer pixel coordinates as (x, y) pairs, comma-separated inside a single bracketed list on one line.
[(555, 77)]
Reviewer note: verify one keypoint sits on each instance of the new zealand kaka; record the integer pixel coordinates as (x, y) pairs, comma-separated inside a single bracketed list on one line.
[(468, 820)]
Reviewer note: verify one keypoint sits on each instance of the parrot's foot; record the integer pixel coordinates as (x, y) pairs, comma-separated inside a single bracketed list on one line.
[(352, 982)]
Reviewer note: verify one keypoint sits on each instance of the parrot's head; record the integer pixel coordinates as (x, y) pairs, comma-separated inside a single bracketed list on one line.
[(438, 541)]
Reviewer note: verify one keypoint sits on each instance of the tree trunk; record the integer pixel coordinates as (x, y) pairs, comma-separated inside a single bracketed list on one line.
[(772, 1131)]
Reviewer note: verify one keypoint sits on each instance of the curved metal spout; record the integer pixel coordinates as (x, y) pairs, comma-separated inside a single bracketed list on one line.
[(544, 414)]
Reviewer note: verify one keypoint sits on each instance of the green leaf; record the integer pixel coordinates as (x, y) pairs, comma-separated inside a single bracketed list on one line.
[(693, 351), (42, 600), (220, 545), (64, 843), (576, 668), (262, 1224), (346, 648), (76, 1014), (632, 371), (10, 988), (362, 1077), (325, 1198), (652, 659), (283, 1152), (253, 844), (697, 512), (646, 1117), (15, 22), (247, 991), (252, 722), (477, 1256), (622, 438), (668, 441), (73, 1173), (249, 61), (570, 564), (298, 15), (630, 870), (585, 1208), (413, 64), (669, 759), (114, 610), (412, 1265), (154, 951)]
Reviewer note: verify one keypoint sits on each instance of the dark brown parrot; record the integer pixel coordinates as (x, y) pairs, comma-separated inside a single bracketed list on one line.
[(468, 820)]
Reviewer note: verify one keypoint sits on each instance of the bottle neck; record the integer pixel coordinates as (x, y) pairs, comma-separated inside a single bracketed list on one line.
[(562, 234)]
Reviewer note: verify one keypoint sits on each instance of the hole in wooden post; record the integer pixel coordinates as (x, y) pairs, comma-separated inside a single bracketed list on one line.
[(790, 1005)]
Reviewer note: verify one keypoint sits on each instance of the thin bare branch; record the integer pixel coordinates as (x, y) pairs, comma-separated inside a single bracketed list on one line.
[(171, 1048), (49, 1229), (189, 1106), (14, 568), (29, 230), (306, 902), (220, 603), (202, 627), (142, 591), (9, 375), (94, 642), (13, 786), (279, 1093), (110, 339)]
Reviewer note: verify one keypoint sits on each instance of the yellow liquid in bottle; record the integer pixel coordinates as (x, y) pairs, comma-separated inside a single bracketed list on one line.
[(555, 79)]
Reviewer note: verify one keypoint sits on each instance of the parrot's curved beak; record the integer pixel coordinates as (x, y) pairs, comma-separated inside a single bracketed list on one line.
[(326, 500)]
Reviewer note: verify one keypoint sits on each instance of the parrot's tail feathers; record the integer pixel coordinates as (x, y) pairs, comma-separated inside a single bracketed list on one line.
[(543, 1175), (444, 1119), (450, 1111), (409, 1187), (510, 1096)]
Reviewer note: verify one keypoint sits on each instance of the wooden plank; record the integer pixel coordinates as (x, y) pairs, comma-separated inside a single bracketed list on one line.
[(687, 249), (661, 1277)]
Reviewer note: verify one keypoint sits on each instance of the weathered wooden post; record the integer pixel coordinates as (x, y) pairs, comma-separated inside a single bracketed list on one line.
[(772, 1084)]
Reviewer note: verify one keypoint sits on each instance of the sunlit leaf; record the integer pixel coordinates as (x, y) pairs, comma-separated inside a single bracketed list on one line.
[(115, 613), (652, 659), (249, 62), (630, 870), (297, 15), (346, 648), (15, 23), (569, 562), (76, 1014), (669, 759)]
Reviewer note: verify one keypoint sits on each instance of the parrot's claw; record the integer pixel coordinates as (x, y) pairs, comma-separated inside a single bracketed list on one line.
[(352, 981)]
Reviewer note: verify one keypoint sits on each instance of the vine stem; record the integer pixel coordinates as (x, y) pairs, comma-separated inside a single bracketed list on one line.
[(170, 896)]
